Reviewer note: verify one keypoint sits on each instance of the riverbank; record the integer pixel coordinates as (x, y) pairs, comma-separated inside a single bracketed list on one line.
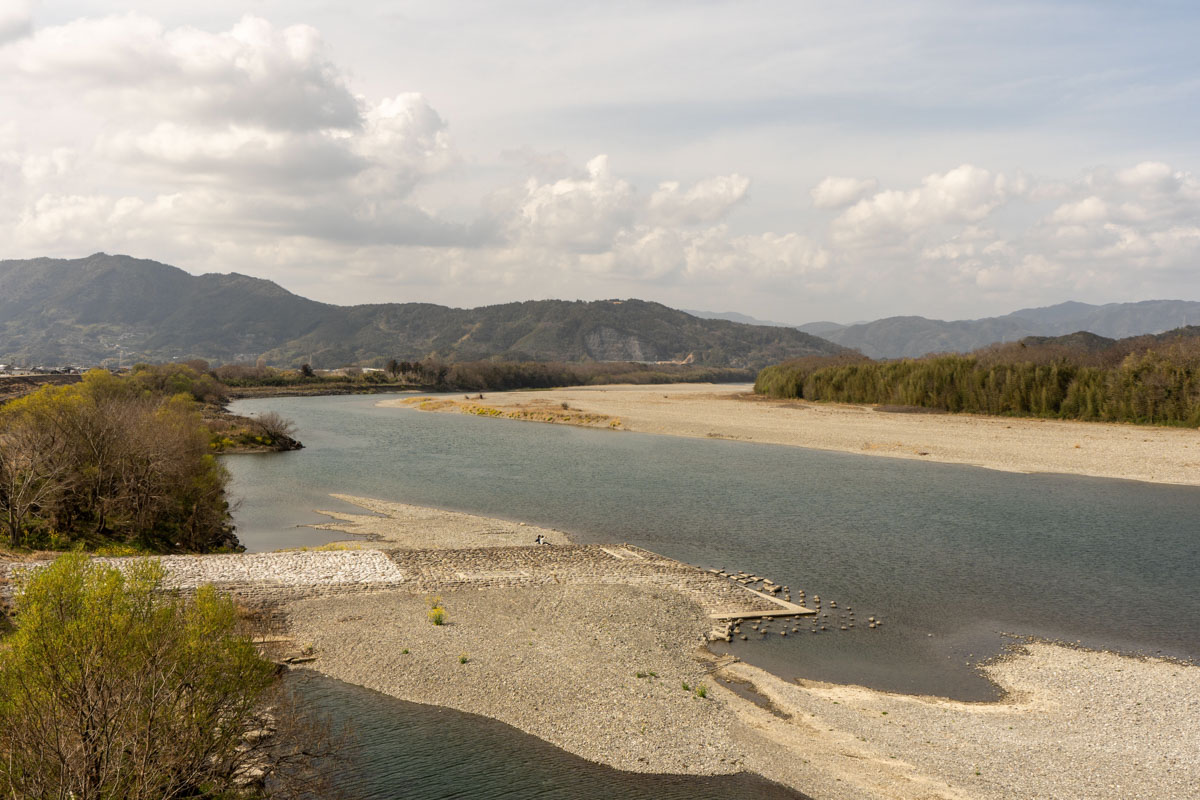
[(599, 669), (598, 650), (330, 388), (1132, 452)]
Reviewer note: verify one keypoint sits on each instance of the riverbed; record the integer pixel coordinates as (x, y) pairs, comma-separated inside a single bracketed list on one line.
[(950, 557)]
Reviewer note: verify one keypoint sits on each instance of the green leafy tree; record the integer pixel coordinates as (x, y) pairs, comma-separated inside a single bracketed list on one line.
[(112, 688), (110, 460)]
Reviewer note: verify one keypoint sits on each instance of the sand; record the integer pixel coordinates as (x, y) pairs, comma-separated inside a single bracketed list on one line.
[(392, 525), (1143, 453)]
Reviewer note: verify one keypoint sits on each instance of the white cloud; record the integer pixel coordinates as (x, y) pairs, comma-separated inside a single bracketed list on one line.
[(251, 74), (708, 201), (1089, 209), (964, 194), (580, 214), (839, 192), (15, 20), (1153, 175), (404, 140)]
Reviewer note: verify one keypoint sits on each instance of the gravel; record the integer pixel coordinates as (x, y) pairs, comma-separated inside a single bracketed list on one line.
[(559, 662), (1075, 724)]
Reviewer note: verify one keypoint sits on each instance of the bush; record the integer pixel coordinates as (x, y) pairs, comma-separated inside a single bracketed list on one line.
[(108, 460), (112, 688)]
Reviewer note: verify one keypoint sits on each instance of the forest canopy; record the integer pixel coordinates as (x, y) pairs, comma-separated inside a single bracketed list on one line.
[(114, 462), (1146, 379)]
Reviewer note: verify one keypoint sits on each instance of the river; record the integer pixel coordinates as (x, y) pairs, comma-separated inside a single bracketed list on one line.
[(950, 557)]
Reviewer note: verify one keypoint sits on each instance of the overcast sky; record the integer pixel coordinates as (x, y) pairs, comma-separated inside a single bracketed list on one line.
[(791, 160)]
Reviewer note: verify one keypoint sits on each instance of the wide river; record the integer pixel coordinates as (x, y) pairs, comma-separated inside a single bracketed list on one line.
[(950, 557)]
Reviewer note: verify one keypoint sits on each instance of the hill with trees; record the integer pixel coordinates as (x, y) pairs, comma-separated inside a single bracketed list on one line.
[(912, 337), (1152, 379), (106, 309)]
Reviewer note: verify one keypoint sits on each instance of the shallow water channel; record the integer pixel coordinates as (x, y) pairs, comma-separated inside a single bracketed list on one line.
[(950, 557), (420, 752)]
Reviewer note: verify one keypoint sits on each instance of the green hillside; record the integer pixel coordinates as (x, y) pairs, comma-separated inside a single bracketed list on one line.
[(101, 308)]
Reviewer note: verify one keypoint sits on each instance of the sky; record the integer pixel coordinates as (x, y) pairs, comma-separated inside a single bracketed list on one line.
[(795, 161)]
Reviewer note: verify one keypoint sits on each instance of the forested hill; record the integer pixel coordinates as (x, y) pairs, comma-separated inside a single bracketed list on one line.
[(90, 310), (1147, 379)]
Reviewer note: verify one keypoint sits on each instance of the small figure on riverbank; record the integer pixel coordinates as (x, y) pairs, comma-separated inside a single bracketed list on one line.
[(541, 539)]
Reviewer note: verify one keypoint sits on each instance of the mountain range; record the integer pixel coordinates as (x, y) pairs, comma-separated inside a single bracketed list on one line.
[(911, 337), (111, 308)]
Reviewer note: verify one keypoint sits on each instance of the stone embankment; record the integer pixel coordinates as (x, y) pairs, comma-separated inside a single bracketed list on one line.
[(492, 567), (278, 577)]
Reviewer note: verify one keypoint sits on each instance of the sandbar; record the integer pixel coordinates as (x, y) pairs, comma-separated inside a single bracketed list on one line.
[(733, 412)]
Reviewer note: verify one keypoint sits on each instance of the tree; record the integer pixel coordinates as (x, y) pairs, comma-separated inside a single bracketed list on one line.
[(33, 472), (273, 426), (109, 459), (306, 370), (112, 688), (393, 368)]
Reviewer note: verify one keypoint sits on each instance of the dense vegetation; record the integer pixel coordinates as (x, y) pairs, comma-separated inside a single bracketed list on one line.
[(501, 375), (431, 375), (118, 462), (118, 309), (113, 689), (1145, 379)]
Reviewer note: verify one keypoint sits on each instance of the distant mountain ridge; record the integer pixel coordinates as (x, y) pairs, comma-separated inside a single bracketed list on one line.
[(911, 337), (105, 307), (734, 316)]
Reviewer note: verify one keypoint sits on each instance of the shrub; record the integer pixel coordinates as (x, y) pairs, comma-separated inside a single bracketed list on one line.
[(113, 688), (437, 615)]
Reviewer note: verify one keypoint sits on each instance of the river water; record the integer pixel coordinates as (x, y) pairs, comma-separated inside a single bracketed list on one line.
[(949, 557), (419, 752)]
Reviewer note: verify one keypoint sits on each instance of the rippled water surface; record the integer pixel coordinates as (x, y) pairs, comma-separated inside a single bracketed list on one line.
[(418, 752), (948, 556)]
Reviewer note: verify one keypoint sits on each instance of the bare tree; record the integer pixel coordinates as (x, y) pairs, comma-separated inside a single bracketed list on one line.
[(274, 425), (33, 471)]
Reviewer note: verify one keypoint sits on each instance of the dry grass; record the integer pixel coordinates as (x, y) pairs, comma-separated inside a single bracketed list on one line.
[(532, 411)]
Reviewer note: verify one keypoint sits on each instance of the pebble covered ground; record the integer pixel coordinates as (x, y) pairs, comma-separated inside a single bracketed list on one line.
[(560, 662), (300, 568), (1075, 724)]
